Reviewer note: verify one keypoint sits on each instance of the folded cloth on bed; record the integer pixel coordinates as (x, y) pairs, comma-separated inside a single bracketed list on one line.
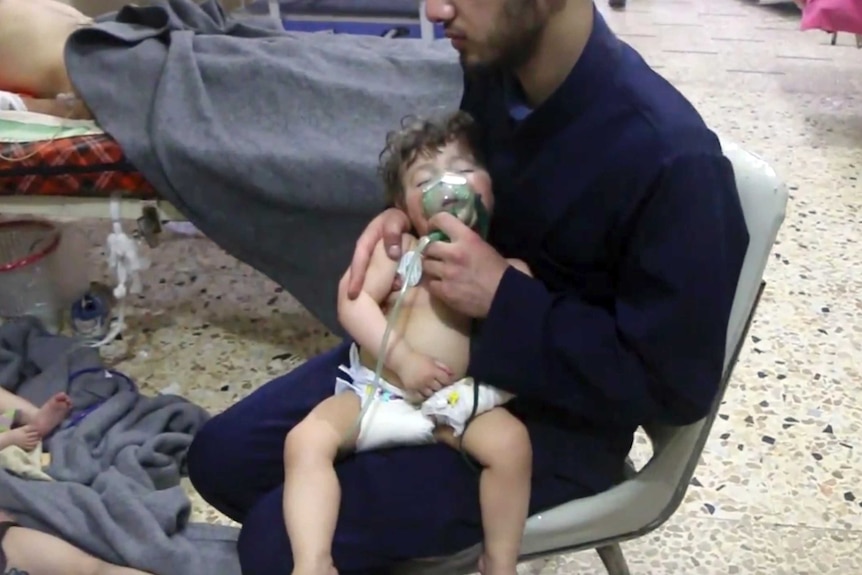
[(116, 492), (265, 140), (24, 127)]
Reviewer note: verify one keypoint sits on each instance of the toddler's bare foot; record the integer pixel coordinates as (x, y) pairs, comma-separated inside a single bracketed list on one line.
[(487, 566), (25, 437), (52, 414)]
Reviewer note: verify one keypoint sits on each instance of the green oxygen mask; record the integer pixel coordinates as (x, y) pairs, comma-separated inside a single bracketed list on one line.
[(452, 193)]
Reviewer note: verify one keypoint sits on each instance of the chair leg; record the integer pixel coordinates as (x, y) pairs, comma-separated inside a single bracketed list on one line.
[(613, 559)]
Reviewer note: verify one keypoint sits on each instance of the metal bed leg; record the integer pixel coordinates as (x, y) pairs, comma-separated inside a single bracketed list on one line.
[(613, 559), (275, 10), (426, 27)]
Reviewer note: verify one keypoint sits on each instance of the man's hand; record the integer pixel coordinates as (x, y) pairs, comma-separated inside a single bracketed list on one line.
[(389, 225), (423, 374), (464, 272)]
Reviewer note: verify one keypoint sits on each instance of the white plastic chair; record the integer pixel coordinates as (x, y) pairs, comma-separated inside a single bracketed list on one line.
[(648, 498)]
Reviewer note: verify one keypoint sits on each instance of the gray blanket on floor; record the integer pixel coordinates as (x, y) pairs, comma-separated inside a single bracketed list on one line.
[(117, 492), (266, 140)]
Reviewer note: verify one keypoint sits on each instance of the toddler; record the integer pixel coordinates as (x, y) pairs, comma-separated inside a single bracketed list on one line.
[(424, 394)]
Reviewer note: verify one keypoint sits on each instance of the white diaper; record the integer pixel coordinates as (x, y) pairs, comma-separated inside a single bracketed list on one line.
[(392, 420)]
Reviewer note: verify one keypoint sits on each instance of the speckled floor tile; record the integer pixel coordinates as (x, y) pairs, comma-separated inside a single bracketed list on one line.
[(688, 546), (779, 487)]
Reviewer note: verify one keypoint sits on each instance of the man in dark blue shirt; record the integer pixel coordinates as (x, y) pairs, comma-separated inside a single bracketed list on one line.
[(614, 192)]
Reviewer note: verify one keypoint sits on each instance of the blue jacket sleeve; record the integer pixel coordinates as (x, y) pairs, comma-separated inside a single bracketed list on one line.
[(658, 352)]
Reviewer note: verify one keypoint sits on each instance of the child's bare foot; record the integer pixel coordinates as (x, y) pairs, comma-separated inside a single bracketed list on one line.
[(25, 437), (52, 414), (487, 566)]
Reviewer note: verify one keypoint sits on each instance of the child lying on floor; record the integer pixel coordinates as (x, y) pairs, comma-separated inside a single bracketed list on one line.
[(24, 425), (29, 552), (426, 357)]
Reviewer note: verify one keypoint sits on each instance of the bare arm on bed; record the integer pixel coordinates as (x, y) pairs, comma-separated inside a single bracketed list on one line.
[(72, 110)]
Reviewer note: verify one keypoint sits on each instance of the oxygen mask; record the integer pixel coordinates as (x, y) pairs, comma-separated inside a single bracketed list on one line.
[(453, 193)]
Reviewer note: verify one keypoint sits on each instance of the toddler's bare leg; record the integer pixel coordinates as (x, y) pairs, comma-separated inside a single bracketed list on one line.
[(9, 400), (37, 553), (312, 495), (52, 413), (43, 419), (501, 444)]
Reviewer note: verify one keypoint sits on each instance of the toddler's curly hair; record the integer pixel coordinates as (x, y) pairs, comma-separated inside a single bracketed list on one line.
[(416, 137)]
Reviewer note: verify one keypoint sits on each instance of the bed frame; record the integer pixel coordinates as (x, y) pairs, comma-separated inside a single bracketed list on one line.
[(149, 215), (78, 208), (376, 12)]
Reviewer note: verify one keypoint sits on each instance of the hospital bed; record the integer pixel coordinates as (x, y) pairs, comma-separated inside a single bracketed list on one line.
[(350, 16), (75, 171), (80, 176), (347, 16)]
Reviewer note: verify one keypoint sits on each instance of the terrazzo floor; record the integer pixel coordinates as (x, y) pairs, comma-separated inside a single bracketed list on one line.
[(779, 488)]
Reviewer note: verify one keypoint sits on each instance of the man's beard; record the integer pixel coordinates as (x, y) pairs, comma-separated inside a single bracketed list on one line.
[(513, 39)]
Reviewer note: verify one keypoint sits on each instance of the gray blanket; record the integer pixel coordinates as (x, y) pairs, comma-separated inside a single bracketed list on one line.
[(266, 140), (117, 493)]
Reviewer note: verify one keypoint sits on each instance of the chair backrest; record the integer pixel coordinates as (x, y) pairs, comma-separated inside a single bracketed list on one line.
[(676, 450)]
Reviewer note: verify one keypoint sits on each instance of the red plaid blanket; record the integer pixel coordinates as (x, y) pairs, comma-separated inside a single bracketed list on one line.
[(83, 166)]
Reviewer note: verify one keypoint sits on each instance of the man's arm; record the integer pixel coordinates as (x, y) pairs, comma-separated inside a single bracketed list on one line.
[(658, 354), (363, 318)]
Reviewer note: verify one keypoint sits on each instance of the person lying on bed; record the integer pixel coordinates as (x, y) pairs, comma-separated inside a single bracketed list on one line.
[(29, 552), (24, 425), (424, 395), (33, 75)]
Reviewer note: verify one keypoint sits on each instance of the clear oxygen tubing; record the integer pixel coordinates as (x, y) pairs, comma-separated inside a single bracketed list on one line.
[(391, 318), (126, 262), (451, 193)]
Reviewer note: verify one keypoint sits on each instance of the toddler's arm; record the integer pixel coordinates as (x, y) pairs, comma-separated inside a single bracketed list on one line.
[(363, 317), (6, 439)]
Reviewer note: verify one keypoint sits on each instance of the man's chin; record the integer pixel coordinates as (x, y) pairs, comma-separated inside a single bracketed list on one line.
[(470, 62)]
